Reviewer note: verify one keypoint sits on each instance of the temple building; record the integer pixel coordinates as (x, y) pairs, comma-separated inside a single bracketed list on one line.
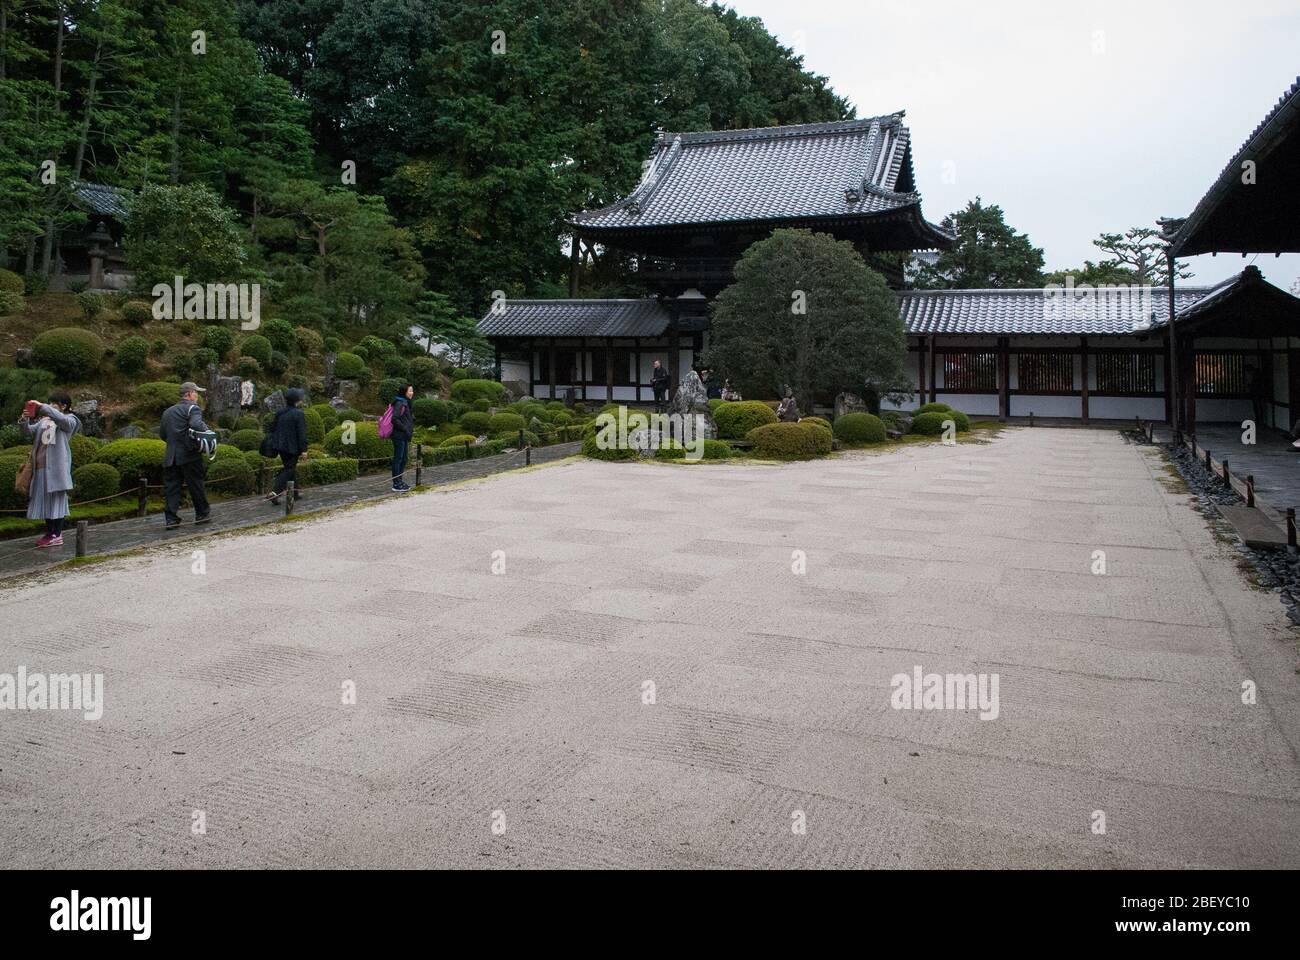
[(1076, 353)]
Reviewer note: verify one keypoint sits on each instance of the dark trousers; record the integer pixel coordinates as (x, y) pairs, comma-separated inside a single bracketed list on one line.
[(191, 475), (288, 471), (400, 448), (660, 394)]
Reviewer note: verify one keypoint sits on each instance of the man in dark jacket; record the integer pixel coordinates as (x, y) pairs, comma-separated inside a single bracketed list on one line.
[(403, 430), (288, 436), (659, 384), (183, 463)]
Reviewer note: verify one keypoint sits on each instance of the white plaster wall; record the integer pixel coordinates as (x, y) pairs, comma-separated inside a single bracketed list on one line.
[(1126, 408), (1023, 406)]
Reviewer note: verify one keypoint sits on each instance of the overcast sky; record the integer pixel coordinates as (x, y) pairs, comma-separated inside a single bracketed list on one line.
[(1076, 119)]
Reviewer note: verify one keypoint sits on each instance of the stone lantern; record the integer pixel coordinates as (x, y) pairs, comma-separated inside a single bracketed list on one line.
[(99, 243)]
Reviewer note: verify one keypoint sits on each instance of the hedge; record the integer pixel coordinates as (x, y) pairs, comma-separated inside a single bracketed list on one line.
[(475, 422), (248, 422), (930, 424), (11, 303), (460, 438), (315, 426), (962, 421), (348, 366), (316, 473), (245, 439), (859, 428), (329, 417), (70, 353), (789, 441), (151, 399), (590, 449), (451, 454), (95, 481), (820, 421), (735, 420), (10, 460), (231, 476), (467, 391), (931, 408), (83, 450), (11, 282), (133, 458), (369, 446), (429, 412), (257, 347), (505, 423)]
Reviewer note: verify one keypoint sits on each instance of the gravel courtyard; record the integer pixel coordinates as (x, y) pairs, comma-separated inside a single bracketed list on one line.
[(649, 682)]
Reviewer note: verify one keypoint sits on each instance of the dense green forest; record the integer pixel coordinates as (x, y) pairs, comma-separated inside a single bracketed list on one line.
[(371, 160)]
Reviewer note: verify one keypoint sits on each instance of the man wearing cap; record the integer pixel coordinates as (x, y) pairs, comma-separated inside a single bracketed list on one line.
[(182, 461)]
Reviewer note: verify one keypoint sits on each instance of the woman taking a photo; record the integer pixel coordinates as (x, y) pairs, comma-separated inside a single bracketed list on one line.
[(50, 425)]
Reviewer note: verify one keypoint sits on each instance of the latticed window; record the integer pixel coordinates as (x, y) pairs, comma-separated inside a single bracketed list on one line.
[(969, 371), (1222, 375), (1045, 372), (1126, 374)]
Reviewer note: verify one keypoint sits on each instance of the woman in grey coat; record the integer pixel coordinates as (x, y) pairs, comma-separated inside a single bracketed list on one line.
[(50, 426)]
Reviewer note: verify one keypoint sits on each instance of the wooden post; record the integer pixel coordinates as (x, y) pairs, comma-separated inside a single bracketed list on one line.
[(609, 369), (551, 366), (288, 497), (674, 357), (1290, 530), (582, 367), (575, 261), (1250, 490), (532, 375), (528, 456), (1083, 368), (1169, 387), (637, 364), (142, 507), (496, 357), (934, 384), (920, 369), (1004, 379), (1208, 465), (82, 525), (1227, 477), (419, 462), (468, 455)]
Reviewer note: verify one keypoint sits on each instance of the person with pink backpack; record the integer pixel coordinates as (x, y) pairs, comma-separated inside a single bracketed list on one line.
[(398, 424)]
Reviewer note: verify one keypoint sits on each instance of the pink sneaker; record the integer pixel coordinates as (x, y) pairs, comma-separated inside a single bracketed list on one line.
[(56, 541), (44, 540)]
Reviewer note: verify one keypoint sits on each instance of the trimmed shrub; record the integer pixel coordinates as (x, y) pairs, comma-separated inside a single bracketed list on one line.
[(590, 449), (317, 472), (11, 435), (280, 334), (820, 421), (467, 391), (931, 408), (94, 481), (315, 426), (348, 366), (329, 417), (279, 362), (257, 347), (230, 475), (132, 355), (482, 405), (151, 399), (70, 353), (375, 348), (134, 457), (248, 422), (333, 344), (458, 439), (369, 446), (248, 368), (245, 439), (137, 313), (10, 282), (506, 423), (735, 420), (349, 413), (397, 367), (10, 461), (83, 450), (182, 365), (158, 346), (718, 450), (429, 412), (309, 341), (423, 372), (219, 340), (388, 389), (962, 421), (789, 441), (475, 422), (930, 424), (461, 373), (714, 404), (11, 303), (91, 304), (859, 428), (203, 357)]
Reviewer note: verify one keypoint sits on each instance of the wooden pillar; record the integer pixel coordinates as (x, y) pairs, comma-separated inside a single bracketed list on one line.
[(1083, 369), (1004, 378), (609, 370), (532, 374), (674, 356), (636, 364), (582, 368), (920, 369), (551, 365), (1169, 390), (934, 384), (1173, 368), (496, 357), (575, 261), (1188, 350)]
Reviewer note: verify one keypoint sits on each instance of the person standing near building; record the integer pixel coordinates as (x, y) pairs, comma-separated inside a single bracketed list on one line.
[(403, 430), (50, 425), (659, 384), (183, 463), (288, 436)]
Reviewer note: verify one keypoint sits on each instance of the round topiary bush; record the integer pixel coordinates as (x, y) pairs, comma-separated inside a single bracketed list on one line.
[(83, 450), (718, 450), (91, 304), (257, 347), (132, 355), (931, 408), (505, 423), (482, 405), (220, 340), (789, 441), (315, 426), (134, 457), (368, 447), (11, 303), (961, 420), (459, 440), (280, 334), (136, 313), (591, 449), (11, 435), (858, 428), (231, 476), (348, 366), (423, 372), (245, 439), (429, 412), (317, 472), (329, 417), (714, 404), (309, 341), (151, 399), (248, 368), (10, 282), (930, 424), (735, 420), (10, 462), (820, 421), (95, 481), (475, 422), (70, 353), (467, 391), (389, 388), (248, 422)]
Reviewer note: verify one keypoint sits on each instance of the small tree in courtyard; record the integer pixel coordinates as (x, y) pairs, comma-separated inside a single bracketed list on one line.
[(806, 311)]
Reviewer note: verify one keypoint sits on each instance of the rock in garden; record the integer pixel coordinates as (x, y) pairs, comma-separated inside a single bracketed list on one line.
[(849, 403), (23, 357), (92, 421), (692, 399), (129, 432)]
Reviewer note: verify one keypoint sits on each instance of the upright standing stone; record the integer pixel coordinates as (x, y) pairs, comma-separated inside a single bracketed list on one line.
[(92, 421), (849, 403), (692, 399)]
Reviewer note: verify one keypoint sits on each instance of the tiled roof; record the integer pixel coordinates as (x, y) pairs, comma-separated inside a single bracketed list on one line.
[(1122, 310), (769, 173), (1283, 119), (101, 200), (575, 318)]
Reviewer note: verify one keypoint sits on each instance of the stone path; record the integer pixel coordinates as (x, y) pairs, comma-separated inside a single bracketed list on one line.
[(18, 556), (647, 681), (1273, 462)]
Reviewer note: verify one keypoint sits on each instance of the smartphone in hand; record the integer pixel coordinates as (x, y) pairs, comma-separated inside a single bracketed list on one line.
[(29, 410)]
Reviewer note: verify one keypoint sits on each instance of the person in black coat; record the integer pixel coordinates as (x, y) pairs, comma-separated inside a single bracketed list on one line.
[(403, 430), (659, 384), (288, 435), (182, 461)]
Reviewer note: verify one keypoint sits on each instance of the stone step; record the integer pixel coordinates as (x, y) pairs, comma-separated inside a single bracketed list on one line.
[(1254, 527)]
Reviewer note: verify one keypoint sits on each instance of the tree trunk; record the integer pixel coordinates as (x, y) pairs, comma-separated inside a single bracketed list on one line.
[(91, 84), (176, 134)]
